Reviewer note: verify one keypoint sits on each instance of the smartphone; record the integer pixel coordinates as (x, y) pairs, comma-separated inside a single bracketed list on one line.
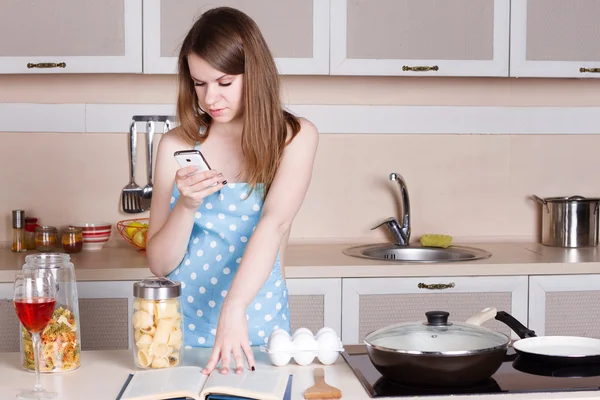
[(186, 158)]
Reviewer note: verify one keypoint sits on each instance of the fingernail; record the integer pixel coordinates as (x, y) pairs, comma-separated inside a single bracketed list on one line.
[(224, 371), (253, 369), (224, 182), (238, 371)]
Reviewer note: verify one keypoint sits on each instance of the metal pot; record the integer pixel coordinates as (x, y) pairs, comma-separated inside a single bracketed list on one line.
[(437, 352), (569, 221)]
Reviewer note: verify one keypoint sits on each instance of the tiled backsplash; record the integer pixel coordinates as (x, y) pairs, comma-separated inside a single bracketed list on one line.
[(468, 186)]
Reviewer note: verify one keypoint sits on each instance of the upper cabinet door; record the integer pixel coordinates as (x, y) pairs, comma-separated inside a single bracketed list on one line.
[(297, 32), (71, 36), (420, 37), (555, 38)]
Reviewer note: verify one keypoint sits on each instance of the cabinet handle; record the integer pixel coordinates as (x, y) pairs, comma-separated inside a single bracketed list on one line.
[(583, 69), (420, 68), (436, 286), (47, 65)]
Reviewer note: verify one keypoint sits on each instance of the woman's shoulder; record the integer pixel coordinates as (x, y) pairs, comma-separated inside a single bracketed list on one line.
[(307, 129), (173, 140)]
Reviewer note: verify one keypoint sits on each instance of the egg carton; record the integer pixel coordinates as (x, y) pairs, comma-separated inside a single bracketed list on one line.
[(303, 346)]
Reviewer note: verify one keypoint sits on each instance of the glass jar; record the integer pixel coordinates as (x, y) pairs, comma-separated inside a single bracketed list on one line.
[(60, 340), (157, 323), (72, 239), (30, 227), (45, 238)]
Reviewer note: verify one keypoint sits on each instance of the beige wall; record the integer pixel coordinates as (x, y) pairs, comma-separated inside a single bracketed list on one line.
[(469, 186)]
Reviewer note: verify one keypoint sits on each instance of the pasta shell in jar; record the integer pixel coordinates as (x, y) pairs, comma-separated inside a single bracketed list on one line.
[(157, 324)]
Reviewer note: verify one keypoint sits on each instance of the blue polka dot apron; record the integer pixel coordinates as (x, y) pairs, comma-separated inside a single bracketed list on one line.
[(223, 225)]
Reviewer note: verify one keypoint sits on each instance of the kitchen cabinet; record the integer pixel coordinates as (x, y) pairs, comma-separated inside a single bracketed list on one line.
[(565, 305), (105, 309), (71, 36), (372, 303), (315, 303), (104, 315), (297, 32), (420, 37), (555, 38)]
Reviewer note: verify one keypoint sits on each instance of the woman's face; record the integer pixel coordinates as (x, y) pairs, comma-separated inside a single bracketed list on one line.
[(219, 94)]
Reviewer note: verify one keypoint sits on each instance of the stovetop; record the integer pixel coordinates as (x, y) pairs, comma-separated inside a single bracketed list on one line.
[(515, 375)]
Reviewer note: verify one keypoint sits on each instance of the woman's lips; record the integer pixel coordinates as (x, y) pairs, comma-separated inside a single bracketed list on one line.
[(216, 112)]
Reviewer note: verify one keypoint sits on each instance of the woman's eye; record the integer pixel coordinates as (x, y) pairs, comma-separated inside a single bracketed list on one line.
[(225, 84), (199, 84)]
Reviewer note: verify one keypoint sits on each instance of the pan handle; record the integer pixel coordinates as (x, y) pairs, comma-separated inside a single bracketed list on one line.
[(538, 199), (482, 316), (514, 324)]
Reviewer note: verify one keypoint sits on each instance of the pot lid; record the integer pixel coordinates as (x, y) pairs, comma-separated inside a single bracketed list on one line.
[(155, 288), (436, 336)]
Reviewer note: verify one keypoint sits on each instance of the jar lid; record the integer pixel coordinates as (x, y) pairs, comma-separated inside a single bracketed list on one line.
[(155, 288)]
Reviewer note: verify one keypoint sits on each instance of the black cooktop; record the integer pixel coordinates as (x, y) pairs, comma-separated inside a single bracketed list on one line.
[(514, 376)]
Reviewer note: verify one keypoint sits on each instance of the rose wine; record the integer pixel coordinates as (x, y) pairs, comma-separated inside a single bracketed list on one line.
[(35, 313)]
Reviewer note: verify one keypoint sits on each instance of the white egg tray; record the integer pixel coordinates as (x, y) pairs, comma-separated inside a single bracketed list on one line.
[(303, 347)]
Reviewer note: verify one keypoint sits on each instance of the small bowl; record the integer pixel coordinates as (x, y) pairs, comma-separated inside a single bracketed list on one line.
[(95, 235)]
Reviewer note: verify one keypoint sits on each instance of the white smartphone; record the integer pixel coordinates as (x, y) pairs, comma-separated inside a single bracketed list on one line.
[(186, 158)]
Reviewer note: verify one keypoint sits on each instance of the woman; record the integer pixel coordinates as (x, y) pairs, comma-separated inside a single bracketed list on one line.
[(226, 242)]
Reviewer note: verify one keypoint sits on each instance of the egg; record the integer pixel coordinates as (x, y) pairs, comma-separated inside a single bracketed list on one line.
[(280, 348), (279, 330), (301, 331), (306, 346), (329, 346), (324, 329)]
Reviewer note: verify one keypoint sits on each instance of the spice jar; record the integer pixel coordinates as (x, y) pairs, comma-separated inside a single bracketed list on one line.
[(30, 226), (61, 338), (45, 238), (157, 323), (72, 239)]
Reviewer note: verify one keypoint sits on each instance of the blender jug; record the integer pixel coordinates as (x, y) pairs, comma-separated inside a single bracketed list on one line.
[(60, 340)]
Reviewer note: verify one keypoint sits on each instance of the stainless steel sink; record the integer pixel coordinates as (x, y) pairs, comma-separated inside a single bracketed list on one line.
[(416, 253)]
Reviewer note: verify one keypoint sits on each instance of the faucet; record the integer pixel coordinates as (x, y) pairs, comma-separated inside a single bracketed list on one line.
[(400, 233)]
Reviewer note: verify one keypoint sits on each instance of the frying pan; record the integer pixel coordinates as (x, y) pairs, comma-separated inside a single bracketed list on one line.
[(553, 349)]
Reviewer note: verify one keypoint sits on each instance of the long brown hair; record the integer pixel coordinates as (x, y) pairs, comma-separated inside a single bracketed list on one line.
[(231, 42)]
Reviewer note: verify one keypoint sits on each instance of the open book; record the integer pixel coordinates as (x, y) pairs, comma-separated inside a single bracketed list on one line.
[(189, 382)]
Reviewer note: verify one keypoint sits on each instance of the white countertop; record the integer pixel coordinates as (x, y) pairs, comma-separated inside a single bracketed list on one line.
[(328, 261), (103, 373)]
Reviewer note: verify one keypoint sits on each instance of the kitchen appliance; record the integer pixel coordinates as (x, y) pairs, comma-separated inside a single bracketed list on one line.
[(569, 221), (438, 352), (572, 350), (513, 376)]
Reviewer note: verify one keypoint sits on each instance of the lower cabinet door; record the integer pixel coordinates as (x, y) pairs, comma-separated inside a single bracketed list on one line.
[(565, 305), (10, 326), (373, 303), (315, 303)]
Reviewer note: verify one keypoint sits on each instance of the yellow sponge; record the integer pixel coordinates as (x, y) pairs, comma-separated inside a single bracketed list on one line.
[(436, 240)]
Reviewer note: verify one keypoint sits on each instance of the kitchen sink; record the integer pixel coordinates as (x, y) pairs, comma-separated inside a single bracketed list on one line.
[(416, 253)]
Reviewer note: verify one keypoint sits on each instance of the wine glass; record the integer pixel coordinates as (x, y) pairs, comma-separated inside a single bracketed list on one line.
[(34, 299)]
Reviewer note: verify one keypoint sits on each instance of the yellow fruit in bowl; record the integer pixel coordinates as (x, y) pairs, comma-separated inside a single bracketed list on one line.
[(133, 227), (139, 239)]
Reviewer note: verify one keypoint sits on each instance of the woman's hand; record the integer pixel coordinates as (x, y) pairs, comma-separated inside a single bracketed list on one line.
[(231, 338), (194, 187)]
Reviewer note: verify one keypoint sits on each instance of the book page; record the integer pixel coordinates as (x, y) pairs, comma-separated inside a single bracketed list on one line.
[(260, 385), (165, 383)]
